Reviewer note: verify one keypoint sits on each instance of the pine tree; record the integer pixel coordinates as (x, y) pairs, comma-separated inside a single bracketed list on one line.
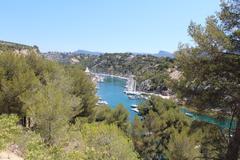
[(160, 119), (119, 117), (50, 110), (210, 69), (16, 78), (83, 88)]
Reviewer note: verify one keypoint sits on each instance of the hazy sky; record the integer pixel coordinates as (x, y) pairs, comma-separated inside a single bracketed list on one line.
[(102, 25)]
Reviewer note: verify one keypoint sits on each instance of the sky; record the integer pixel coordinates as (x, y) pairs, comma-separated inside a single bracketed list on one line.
[(102, 25)]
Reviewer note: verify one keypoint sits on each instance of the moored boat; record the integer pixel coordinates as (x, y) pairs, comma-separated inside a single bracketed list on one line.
[(102, 102), (134, 106), (135, 110), (189, 114)]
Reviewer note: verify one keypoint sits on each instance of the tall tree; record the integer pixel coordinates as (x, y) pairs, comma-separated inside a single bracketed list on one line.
[(119, 117), (50, 109), (160, 120), (182, 146), (83, 88), (16, 78), (210, 70), (107, 142)]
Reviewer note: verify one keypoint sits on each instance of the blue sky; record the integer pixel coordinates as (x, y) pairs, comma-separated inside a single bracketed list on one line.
[(102, 25)]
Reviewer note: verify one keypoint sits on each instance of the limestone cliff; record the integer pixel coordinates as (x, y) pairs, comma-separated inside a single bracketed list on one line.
[(17, 48)]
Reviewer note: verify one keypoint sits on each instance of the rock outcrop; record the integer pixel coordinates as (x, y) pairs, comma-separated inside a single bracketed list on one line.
[(17, 48)]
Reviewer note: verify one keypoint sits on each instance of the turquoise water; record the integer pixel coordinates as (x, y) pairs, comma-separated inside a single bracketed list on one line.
[(224, 123), (111, 90)]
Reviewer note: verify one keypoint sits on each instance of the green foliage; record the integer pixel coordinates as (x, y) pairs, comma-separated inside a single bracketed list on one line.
[(75, 155), (16, 48), (229, 16), (119, 117), (102, 113), (183, 146), (85, 90), (160, 121), (107, 142), (30, 144), (32, 86), (212, 142), (16, 78), (9, 130), (210, 72), (34, 147), (50, 109), (143, 67), (210, 69)]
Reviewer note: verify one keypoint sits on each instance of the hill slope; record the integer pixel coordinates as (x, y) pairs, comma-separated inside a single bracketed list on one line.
[(17, 48)]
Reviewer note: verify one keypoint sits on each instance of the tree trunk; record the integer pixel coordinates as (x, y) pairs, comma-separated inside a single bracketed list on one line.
[(234, 144), (24, 121)]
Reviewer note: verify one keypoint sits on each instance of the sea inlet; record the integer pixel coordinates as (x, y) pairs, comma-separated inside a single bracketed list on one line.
[(111, 90)]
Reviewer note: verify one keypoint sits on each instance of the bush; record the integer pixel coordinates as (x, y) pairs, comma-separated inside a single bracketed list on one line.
[(107, 142), (9, 130)]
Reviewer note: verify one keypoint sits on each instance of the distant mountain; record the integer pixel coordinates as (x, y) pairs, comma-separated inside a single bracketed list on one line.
[(159, 54), (87, 52), (164, 54)]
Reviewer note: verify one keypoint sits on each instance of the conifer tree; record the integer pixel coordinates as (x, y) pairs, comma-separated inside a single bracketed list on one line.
[(210, 69)]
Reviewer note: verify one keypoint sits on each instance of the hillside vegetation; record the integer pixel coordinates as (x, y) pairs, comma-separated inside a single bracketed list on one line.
[(151, 72), (48, 111), (17, 48)]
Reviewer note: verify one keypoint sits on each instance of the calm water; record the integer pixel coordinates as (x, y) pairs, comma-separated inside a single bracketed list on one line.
[(225, 123), (111, 90)]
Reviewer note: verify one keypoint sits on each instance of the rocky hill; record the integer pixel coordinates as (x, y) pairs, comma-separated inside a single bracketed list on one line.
[(17, 48), (150, 71)]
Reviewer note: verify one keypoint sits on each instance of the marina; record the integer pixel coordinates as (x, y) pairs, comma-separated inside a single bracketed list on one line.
[(113, 90)]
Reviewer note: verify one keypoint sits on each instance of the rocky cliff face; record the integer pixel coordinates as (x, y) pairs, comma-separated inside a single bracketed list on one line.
[(17, 48), (145, 85)]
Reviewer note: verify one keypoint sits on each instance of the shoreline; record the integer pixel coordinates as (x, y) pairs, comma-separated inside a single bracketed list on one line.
[(145, 95), (111, 75), (135, 92)]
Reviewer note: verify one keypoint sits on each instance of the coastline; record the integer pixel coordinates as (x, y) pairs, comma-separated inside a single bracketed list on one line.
[(111, 75), (133, 92), (193, 113)]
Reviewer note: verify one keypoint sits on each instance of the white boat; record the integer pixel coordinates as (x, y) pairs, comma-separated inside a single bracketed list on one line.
[(134, 106), (102, 102), (135, 110), (188, 114), (132, 97), (132, 93), (101, 79)]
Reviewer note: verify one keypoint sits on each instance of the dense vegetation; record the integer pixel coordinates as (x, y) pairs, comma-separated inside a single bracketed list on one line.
[(210, 69), (149, 71), (17, 48), (55, 106), (48, 110)]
